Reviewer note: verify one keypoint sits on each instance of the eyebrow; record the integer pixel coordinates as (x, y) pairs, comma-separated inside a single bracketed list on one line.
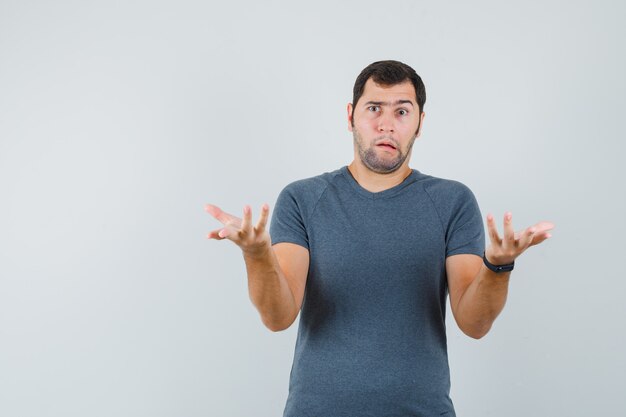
[(386, 103)]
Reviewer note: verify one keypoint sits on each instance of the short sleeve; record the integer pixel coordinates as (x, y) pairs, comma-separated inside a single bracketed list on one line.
[(287, 223), (465, 234)]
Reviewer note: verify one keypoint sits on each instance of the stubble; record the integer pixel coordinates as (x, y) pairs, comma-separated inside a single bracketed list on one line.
[(370, 155)]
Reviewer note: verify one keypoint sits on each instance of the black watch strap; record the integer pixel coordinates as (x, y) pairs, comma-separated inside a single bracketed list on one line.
[(498, 268)]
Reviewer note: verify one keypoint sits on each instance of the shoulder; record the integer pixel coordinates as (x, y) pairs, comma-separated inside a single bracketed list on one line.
[(311, 187), (459, 214), (452, 199), (305, 193), (442, 189)]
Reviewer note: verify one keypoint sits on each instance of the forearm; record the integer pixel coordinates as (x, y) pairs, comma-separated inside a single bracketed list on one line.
[(269, 291), (482, 302)]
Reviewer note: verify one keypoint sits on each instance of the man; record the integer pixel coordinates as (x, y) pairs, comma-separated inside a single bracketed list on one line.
[(368, 254)]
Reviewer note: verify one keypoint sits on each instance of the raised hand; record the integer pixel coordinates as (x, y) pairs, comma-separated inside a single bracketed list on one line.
[(251, 240), (504, 250)]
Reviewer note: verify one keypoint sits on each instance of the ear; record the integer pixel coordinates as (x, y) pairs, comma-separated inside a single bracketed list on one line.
[(350, 115), (419, 126)]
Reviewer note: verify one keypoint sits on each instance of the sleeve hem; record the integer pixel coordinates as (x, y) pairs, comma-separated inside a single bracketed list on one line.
[(294, 241), (466, 251)]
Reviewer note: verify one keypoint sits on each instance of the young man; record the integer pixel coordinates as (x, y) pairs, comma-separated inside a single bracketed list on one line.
[(368, 254)]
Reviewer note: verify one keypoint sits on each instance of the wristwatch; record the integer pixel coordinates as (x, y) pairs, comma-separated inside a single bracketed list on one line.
[(498, 268)]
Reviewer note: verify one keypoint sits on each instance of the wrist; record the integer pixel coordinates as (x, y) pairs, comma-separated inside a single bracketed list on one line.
[(498, 266), (258, 252), (495, 257)]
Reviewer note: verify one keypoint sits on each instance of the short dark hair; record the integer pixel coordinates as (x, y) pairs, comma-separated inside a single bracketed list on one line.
[(388, 73)]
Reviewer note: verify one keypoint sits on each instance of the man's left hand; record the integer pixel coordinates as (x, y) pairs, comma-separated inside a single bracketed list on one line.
[(505, 250)]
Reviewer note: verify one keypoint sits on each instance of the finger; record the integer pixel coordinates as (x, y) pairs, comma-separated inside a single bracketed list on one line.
[(526, 237), (247, 220), (509, 233), (544, 226), (219, 214), (540, 237), (229, 232), (214, 234), (542, 232), (493, 232), (260, 226)]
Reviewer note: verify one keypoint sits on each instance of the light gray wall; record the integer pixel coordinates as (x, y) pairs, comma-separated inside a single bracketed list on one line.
[(120, 120)]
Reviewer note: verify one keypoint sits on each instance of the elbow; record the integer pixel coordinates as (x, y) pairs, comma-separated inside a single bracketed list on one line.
[(476, 335), (476, 332), (277, 325), (276, 328)]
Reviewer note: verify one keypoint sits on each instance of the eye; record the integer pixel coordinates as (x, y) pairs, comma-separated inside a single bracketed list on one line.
[(373, 108), (403, 112)]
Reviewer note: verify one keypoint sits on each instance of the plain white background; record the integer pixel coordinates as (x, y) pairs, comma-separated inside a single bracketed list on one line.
[(120, 120)]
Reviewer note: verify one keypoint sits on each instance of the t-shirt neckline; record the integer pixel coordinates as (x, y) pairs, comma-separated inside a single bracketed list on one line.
[(411, 178)]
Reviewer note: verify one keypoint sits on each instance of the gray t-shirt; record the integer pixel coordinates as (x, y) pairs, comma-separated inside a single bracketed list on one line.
[(371, 339)]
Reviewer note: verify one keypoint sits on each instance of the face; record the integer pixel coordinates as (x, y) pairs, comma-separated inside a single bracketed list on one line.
[(385, 123)]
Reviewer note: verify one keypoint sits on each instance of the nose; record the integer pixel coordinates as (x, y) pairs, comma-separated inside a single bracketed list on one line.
[(386, 122)]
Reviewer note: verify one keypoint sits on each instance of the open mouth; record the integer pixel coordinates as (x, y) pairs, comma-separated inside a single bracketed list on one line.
[(384, 145)]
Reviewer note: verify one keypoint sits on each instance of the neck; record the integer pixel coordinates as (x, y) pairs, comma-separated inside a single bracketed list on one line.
[(375, 182)]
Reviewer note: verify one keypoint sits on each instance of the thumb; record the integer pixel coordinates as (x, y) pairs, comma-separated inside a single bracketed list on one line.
[(229, 232)]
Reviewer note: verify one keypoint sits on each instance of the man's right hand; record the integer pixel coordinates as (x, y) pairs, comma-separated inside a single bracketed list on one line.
[(252, 240), (276, 274)]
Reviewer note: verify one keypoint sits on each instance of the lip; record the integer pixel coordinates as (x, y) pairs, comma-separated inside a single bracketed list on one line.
[(386, 144)]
